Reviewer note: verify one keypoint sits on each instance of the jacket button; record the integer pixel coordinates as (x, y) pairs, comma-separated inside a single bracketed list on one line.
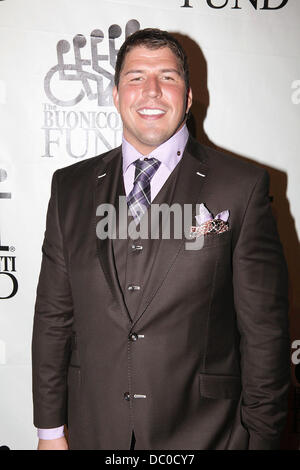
[(133, 337), (127, 396)]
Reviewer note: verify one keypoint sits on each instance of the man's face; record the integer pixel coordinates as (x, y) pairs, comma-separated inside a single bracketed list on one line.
[(151, 98)]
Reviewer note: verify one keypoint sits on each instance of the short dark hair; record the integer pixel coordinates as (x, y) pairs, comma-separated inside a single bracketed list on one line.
[(152, 38)]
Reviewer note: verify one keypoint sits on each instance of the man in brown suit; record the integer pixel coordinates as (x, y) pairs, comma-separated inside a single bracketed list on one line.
[(154, 342)]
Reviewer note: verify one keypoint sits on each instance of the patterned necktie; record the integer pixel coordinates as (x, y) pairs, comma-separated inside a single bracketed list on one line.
[(139, 199)]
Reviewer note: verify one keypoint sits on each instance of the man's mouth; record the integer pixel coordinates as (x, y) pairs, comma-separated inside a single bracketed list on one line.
[(151, 112)]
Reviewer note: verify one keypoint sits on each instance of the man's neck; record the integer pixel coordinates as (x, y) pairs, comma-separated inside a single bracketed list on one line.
[(146, 150)]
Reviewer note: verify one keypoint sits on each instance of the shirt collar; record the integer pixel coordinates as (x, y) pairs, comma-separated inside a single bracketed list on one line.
[(169, 152)]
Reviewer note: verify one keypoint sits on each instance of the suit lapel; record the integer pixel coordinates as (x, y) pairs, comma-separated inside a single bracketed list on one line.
[(108, 187), (191, 177)]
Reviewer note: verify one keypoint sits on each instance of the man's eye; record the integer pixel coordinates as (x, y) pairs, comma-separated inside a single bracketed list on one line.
[(167, 77), (136, 79)]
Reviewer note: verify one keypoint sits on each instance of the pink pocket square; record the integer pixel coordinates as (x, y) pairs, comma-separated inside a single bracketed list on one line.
[(204, 215), (209, 224)]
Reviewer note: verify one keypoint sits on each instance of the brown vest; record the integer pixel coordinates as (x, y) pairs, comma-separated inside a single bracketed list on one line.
[(134, 258)]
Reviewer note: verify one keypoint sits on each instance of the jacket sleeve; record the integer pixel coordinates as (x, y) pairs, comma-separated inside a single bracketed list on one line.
[(52, 327), (261, 302)]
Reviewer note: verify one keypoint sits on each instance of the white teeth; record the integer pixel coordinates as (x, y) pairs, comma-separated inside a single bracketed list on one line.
[(151, 112)]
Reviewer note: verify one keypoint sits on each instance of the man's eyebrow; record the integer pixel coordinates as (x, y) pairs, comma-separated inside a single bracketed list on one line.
[(162, 71), (134, 71), (171, 71)]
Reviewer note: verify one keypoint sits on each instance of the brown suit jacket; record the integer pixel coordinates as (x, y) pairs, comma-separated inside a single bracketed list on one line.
[(211, 361)]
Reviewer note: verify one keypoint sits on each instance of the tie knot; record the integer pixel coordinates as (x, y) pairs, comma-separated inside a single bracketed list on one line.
[(145, 169)]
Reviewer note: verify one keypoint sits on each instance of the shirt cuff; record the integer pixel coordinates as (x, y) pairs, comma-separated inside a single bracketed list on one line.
[(53, 433)]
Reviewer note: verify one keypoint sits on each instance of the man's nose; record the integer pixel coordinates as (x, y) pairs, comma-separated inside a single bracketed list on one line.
[(152, 87)]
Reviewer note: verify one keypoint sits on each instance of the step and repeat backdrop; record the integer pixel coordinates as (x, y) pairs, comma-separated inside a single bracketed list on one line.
[(56, 78)]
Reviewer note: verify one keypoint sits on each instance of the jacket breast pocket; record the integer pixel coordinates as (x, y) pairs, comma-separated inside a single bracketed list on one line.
[(220, 386), (203, 242)]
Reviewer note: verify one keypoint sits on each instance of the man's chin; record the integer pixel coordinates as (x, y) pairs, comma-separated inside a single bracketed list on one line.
[(154, 140)]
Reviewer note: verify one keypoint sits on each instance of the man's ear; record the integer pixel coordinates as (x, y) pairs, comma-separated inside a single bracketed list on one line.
[(189, 100), (116, 97)]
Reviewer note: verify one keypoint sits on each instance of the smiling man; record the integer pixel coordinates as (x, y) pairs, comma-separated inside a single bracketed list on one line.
[(144, 344), (152, 97)]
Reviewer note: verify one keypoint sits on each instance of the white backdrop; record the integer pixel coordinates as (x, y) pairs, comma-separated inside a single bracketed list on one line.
[(56, 75)]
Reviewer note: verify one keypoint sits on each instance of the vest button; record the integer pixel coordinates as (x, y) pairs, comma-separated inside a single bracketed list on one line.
[(133, 337), (131, 287), (136, 248), (127, 396)]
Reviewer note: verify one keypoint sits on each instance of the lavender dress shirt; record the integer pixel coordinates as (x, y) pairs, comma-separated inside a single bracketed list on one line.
[(169, 153)]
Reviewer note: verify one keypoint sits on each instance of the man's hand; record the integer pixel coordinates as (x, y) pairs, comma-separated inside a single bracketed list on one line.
[(53, 444)]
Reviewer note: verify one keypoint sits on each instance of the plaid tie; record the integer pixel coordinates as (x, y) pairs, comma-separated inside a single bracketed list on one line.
[(139, 198)]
